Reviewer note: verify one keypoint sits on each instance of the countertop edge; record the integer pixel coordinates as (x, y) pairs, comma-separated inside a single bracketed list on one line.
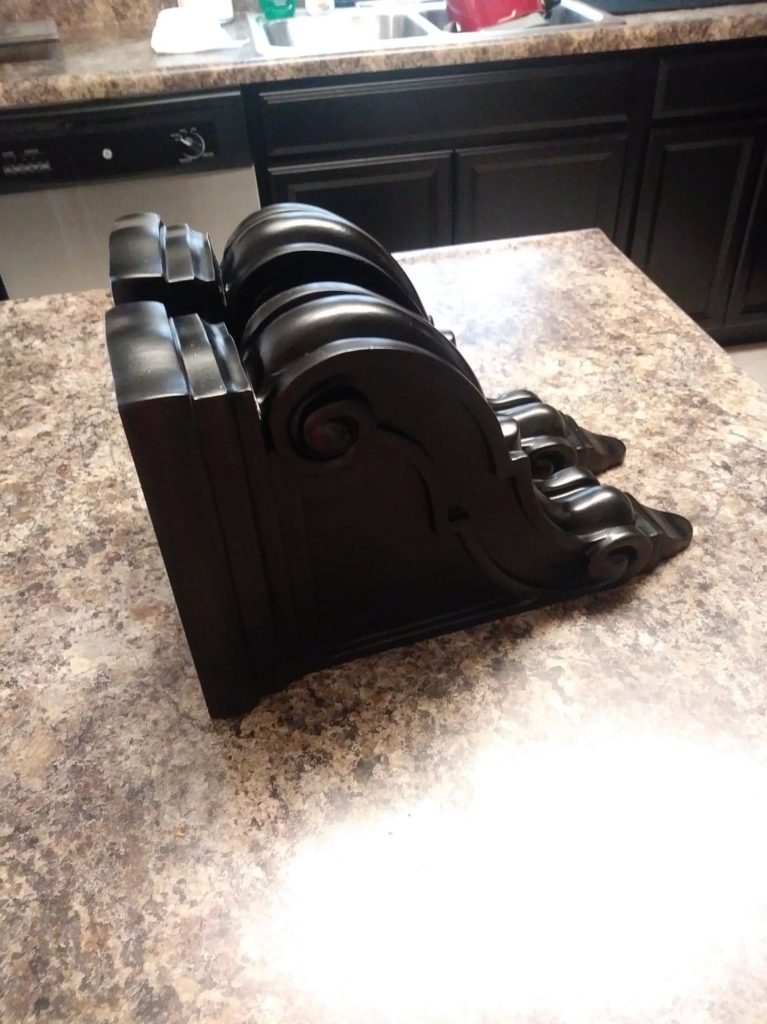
[(81, 73)]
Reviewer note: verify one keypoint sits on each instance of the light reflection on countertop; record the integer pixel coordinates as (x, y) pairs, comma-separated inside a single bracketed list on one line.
[(600, 879)]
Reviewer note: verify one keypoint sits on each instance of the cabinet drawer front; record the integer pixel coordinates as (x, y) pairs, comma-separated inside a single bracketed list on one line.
[(443, 108), (711, 83)]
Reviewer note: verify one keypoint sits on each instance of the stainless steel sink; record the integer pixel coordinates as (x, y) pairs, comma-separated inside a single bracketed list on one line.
[(383, 25), (339, 32), (566, 14)]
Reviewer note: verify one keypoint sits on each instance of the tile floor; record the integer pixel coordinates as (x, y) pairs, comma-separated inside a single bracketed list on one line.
[(752, 359)]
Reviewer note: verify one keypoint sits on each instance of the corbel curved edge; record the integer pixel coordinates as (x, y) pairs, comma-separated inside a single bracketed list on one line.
[(286, 244), (538, 541)]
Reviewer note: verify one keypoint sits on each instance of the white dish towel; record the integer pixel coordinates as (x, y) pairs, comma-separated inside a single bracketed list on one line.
[(190, 30)]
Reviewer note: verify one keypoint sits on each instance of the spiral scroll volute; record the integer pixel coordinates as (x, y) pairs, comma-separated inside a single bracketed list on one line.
[(618, 552)]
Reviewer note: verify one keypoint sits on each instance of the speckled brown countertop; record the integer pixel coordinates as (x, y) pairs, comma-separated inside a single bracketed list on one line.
[(118, 62), (560, 817)]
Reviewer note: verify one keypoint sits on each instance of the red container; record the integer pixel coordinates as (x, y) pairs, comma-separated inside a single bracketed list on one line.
[(471, 15)]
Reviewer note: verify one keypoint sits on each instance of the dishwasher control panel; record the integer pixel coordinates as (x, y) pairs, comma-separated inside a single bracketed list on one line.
[(123, 140), (124, 151), (26, 162)]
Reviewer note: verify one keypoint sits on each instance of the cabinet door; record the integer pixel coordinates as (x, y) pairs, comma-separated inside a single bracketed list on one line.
[(690, 214), (405, 202), (748, 300), (533, 188)]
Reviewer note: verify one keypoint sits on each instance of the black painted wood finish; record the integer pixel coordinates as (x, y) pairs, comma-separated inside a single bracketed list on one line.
[(692, 201), (368, 189), (538, 187), (366, 149), (722, 80), (747, 309), (177, 266), (309, 503), (661, 150), (429, 110)]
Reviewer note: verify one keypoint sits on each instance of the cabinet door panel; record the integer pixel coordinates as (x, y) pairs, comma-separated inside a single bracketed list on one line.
[(689, 210), (405, 202), (533, 188), (748, 300)]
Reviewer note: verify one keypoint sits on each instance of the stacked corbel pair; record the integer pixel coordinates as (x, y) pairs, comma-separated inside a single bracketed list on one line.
[(323, 472)]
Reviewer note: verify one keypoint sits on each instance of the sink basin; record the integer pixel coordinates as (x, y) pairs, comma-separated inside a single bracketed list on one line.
[(567, 14), (341, 31), (383, 26)]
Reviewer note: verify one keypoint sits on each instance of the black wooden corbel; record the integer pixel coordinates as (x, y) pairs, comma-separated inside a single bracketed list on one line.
[(323, 472)]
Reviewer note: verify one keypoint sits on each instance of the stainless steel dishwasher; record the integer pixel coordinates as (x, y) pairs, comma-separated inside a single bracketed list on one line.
[(66, 174)]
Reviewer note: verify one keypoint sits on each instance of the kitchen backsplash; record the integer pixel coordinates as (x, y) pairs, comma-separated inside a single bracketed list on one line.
[(73, 16)]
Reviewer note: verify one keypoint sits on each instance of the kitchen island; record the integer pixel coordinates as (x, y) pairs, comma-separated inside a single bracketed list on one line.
[(556, 817)]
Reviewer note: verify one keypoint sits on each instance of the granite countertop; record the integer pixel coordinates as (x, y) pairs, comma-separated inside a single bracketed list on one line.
[(558, 817), (117, 62)]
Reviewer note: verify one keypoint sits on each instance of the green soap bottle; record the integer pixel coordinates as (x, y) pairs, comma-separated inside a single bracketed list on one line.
[(278, 8)]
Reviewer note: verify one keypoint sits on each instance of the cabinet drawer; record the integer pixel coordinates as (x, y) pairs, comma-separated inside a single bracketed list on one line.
[(713, 82), (442, 109)]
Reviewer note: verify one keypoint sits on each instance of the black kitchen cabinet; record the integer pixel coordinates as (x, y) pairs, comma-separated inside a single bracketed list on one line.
[(533, 188), (700, 230), (690, 211), (369, 191), (458, 155), (746, 314), (665, 151)]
